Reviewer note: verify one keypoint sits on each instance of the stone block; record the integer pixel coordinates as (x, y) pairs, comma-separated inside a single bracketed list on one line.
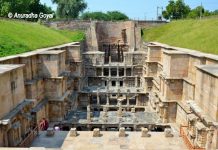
[(145, 132), (122, 132), (168, 133), (96, 132), (132, 110), (50, 132), (73, 132)]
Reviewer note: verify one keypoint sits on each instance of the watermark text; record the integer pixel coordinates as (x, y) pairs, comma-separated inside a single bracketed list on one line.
[(30, 16)]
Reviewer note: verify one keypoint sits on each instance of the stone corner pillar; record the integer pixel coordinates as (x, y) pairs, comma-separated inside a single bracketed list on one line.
[(73, 132), (168, 133), (96, 132), (122, 132), (145, 132)]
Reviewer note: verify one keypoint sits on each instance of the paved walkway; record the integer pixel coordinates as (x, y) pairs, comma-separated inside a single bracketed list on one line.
[(50, 142)]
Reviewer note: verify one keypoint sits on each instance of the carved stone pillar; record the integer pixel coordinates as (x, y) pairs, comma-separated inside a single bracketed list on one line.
[(109, 71), (137, 100), (132, 71), (108, 99), (125, 70), (210, 135), (98, 99), (118, 94), (117, 70), (88, 114), (94, 60), (119, 113), (136, 83), (117, 84), (124, 83), (163, 112), (104, 114), (127, 99), (102, 59), (202, 138), (102, 71), (192, 119), (105, 111), (201, 135), (108, 84), (124, 59)]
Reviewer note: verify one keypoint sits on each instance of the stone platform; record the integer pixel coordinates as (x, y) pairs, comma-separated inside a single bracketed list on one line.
[(132, 141)]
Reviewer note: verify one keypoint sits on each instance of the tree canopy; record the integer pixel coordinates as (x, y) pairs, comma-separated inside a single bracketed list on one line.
[(199, 11), (22, 7), (176, 10), (110, 15), (70, 8), (116, 15), (95, 16), (179, 10)]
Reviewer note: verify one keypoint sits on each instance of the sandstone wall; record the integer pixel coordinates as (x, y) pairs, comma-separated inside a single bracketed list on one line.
[(193, 61), (181, 116), (188, 91), (52, 63), (35, 80), (173, 90), (55, 88), (189, 79), (84, 24), (12, 90), (6, 96), (1, 137), (206, 94)]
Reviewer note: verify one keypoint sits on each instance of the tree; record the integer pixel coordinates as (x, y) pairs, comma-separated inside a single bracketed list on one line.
[(200, 12), (23, 7), (95, 16), (19, 6), (36, 7), (69, 8), (116, 15), (215, 12), (196, 12), (176, 10), (110, 15)]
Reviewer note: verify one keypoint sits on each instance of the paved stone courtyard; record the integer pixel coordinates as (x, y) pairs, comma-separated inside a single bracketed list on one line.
[(112, 117), (110, 140)]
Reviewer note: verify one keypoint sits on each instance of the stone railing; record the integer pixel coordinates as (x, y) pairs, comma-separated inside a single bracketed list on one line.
[(186, 140), (29, 139)]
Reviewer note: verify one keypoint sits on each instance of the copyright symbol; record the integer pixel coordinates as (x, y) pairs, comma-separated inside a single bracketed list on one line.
[(10, 15)]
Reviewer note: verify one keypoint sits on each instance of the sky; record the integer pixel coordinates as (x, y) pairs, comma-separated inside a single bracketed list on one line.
[(138, 9)]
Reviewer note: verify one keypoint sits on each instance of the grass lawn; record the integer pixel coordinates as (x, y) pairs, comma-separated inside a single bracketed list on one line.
[(199, 35), (18, 37)]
